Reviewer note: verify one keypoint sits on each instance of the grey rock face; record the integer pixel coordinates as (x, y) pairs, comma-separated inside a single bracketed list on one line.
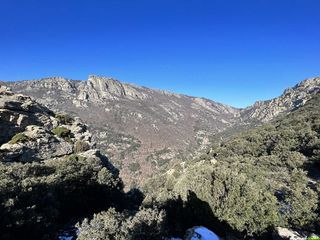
[(27, 131), (292, 98), (109, 88), (41, 145), (144, 130), (17, 112)]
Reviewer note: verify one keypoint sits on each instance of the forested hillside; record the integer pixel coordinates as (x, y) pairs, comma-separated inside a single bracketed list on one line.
[(257, 180)]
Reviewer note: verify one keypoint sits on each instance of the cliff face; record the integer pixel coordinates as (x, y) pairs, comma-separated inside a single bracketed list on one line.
[(98, 89), (144, 130)]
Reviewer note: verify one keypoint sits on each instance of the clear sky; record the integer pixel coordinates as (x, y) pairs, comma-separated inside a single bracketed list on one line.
[(230, 51)]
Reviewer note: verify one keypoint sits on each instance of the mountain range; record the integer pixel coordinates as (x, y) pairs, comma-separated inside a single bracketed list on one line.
[(145, 131), (248, 173)]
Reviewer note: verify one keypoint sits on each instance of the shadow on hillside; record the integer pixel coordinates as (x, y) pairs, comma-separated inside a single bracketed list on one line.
[(183, 215), (313, 169), (47, 208)]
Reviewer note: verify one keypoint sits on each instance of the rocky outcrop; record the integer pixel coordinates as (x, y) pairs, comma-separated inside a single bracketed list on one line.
[(292, 98), (31, 132), (17, 112), (40, 144), (4, 89), (108, 88)]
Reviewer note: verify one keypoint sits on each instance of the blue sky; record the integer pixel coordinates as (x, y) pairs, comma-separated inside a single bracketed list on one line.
[(231, 51)]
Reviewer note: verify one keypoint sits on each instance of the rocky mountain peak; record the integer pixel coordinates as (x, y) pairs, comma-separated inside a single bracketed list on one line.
[(54, 79), (291, 98), (58, 83), (308, 85), (109, 88), (94, 77), (48, 84), (106, 85)]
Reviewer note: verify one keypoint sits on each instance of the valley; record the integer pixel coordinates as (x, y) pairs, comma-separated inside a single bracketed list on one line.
[(101, 159), (146, 131)]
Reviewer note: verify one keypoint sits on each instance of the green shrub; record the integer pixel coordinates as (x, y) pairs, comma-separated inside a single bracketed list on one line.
[(64, 118), (264, 177), (37, 199), (146, 224), (62, 132), (19, 138)]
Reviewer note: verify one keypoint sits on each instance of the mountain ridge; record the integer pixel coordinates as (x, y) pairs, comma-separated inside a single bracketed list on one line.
[(290, 98), (146, 130), (92, 79), (164, 91)]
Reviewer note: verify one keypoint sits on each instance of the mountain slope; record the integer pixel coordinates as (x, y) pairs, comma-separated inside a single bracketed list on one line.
[(245, 186), (292, 98), (139, 128), (146, 131), (50, 172), (256, 180)]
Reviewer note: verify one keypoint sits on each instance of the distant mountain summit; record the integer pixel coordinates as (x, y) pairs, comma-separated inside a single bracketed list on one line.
[(292, 98), (109, 88), (146, 131)]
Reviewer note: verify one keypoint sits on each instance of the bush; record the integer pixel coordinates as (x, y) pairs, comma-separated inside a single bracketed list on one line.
[(146, 224), (39, 198), (19, 138), (261, 178), (62, 132), (64, 118)]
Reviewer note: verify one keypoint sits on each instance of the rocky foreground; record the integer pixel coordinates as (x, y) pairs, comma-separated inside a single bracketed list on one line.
[(31, 132)]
